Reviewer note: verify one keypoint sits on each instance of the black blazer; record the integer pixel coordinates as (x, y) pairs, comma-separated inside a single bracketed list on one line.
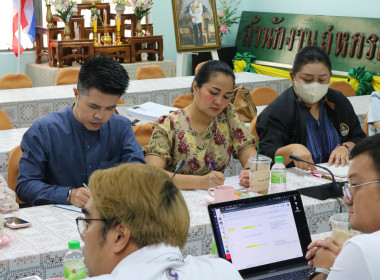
[(283, 122)]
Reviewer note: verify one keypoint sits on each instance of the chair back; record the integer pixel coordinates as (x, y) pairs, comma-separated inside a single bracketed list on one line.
[(199, 65), (67, 76), (143, 132), (5, 122), (263, 96), (12, 81), (252, 130), (149, 72), (183, 100), (345, 88), (366, 125), (13, 170)]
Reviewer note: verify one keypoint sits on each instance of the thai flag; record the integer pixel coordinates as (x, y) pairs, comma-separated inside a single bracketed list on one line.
[(28, 22)]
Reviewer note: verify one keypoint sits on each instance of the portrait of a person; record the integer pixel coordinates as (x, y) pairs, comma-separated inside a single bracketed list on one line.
[(196, 11)]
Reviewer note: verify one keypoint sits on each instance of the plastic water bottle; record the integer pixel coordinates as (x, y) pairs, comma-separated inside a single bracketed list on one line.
[(278, 175), (73, 262)]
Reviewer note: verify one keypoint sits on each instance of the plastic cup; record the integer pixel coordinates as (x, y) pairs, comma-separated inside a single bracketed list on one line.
[(340, 228), (259, 173)]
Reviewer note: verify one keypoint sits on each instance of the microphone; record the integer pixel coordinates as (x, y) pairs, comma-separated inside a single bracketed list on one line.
[(178, 167), (325, 191)]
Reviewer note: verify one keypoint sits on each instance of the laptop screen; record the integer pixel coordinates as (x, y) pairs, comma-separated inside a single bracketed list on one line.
[(261, 233)]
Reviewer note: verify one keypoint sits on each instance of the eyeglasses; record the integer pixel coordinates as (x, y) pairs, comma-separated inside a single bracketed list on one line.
[(347, 188), (82, 224)]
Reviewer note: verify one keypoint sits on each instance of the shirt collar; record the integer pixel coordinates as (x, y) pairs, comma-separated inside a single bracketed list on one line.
[(73, 120), (151, 253)]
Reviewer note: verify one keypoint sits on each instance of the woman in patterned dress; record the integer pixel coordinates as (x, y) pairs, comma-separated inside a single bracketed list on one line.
[(205, 134)]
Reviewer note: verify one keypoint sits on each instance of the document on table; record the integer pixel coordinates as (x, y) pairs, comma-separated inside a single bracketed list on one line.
[(69, 207), (150, 111), (337, 171)]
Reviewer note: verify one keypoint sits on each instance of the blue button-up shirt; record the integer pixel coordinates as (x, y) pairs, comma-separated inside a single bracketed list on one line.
[(59, 153)]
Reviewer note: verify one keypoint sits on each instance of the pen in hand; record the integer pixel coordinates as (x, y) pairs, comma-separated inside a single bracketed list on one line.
[(84, 185), (212, 165)]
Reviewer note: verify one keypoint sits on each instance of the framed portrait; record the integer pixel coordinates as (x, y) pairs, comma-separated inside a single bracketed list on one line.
[(195, 25)]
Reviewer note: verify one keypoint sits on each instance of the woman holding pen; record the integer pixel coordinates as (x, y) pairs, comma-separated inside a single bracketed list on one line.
[(205, 134)]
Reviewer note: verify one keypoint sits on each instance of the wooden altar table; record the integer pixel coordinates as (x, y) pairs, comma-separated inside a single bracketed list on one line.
[(154, 46), (64, 52), (120, 52)]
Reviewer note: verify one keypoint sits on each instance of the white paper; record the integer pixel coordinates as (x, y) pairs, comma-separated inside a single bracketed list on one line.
[(149, 110), (233, 181), (337, 171)]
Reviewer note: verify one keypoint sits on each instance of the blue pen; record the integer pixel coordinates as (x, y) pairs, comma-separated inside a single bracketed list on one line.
[(212, 165)]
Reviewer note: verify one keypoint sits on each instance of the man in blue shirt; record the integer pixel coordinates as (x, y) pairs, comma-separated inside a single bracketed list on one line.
[(61, 150)]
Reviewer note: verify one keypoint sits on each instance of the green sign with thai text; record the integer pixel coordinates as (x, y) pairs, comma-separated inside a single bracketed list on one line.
[(349, 41)]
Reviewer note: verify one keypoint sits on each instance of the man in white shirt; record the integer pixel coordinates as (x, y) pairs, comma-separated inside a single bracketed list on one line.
[(135, 223), (359, 257)]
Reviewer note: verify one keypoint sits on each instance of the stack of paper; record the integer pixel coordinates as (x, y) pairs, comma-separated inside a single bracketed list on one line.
[(337, 171), (150, 111)]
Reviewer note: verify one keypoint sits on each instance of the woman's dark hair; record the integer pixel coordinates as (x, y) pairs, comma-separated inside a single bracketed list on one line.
[(310, 54), (211, 68)]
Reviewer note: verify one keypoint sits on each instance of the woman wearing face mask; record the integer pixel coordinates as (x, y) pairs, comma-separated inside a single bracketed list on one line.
[(309, 119)]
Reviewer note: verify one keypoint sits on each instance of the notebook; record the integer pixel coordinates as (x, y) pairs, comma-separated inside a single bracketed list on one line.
[(263, 236)]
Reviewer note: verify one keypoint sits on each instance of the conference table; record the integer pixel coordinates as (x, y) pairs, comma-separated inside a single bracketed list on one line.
[(24, 106), (39, 249)]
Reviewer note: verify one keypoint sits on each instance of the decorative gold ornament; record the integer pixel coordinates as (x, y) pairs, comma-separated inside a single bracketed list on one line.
[(49, 16), (66, 32), (106, 40), (138, 28), (91, 1)]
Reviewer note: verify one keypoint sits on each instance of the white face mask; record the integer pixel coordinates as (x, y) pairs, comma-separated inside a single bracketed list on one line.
[(310, 93)]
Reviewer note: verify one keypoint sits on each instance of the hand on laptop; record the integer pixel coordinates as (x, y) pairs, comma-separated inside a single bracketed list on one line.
[(322, 253)]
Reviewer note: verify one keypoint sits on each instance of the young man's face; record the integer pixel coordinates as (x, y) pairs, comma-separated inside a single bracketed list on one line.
[(96, 251), (364, 208), (94, 109)]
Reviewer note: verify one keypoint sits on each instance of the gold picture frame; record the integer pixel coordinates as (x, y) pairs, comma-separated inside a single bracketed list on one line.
[(195, 25)]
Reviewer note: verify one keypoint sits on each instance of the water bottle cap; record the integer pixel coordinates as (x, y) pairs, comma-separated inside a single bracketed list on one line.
[(278, 159), (74, 244)]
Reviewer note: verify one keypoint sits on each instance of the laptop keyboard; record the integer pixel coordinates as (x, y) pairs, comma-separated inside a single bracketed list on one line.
[(294, 275)]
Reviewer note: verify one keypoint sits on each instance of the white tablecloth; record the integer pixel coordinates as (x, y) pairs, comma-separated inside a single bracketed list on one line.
[(9, 139), (38, 250), (42, 75), (24, 106)]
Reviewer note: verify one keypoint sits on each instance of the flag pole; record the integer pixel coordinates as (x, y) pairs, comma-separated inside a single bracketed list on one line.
[(19, 38)]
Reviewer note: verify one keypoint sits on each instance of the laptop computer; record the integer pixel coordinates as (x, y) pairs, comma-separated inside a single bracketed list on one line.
[(264, 236)]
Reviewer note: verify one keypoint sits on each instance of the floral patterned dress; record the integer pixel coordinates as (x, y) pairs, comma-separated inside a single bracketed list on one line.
[(174, 139)]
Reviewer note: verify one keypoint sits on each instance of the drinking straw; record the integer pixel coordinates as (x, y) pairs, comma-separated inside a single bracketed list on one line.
[(257, 154)]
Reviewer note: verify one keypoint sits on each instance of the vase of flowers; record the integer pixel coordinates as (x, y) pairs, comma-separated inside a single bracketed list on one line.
[(141, 8), (63, 9), (120, 6), (227, 16)]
